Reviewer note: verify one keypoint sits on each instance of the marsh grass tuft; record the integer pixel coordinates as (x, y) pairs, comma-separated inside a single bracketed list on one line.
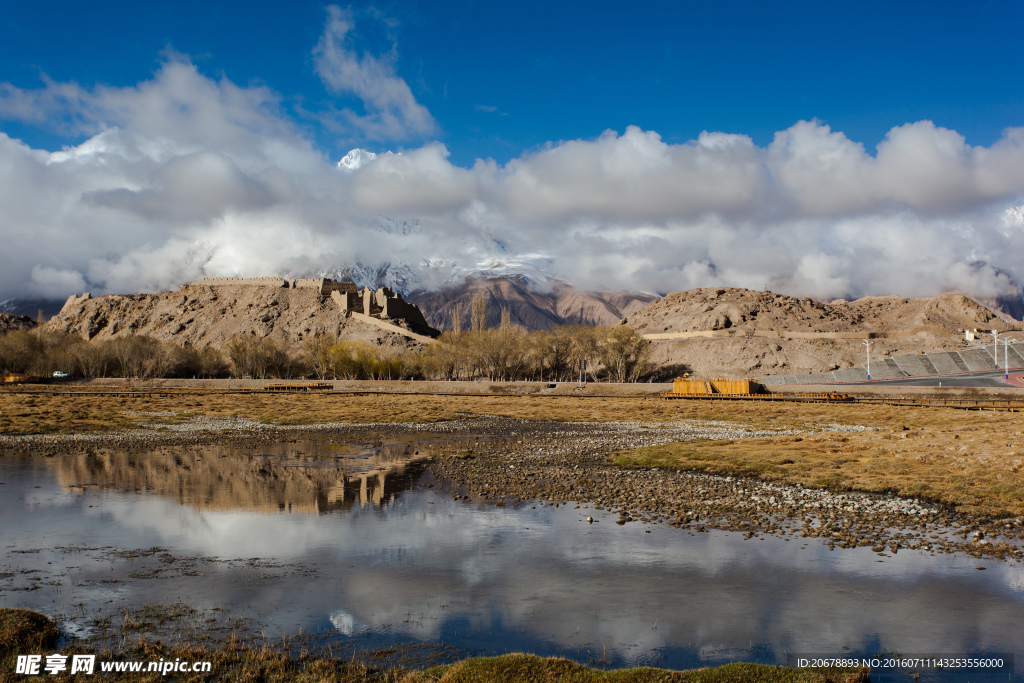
[(23, 630)]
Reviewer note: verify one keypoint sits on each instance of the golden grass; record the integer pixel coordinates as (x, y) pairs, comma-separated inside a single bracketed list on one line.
[(22, 630), (41, 413), (44, 414), (971, 461)]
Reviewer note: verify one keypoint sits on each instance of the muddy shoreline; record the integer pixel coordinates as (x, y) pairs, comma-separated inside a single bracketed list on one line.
[(567, 463)]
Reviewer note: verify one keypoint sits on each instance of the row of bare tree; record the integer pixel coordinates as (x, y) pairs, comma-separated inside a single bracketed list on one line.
[(561, 354), (42, 352), (506, 353)]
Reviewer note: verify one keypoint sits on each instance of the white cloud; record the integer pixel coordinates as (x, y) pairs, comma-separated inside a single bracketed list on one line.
[(421, 181), (50, 282), (184, 175), (392, 112), (918, 166), (633, 176)]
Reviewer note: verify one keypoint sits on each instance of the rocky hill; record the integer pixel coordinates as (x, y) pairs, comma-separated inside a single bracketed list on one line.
[(725, 331), (532, 306), (710, 331), (201, 316), (9, 321)]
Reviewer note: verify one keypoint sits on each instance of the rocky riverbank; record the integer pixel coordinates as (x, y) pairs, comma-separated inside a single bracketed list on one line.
[(569, 464)]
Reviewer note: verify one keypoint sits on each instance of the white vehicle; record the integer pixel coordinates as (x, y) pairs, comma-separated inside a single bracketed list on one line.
[(60, 375)]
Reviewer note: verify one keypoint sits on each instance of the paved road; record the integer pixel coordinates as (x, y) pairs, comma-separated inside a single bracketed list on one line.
[(985, 378)]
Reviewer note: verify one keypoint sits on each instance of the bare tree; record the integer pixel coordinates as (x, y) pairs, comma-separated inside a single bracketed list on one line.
[(478, 318), (552, 352), (316, 353), (94, 359), (625, 354), (456, 319)]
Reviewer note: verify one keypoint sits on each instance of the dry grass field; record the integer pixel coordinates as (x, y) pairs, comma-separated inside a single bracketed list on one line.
[(970, 460), (974, 472)]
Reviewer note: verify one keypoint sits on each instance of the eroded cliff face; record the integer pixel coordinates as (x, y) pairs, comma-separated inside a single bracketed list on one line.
[(201, 316), (735, 332)]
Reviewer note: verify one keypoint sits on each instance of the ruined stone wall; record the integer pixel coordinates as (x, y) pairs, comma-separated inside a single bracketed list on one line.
[(324, 285), (370, 305), (347, 301), (308, 283), (395, 307), (335, 286), (381, 296)]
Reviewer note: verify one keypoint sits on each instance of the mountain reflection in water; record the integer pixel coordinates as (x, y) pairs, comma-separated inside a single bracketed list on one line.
[(388, 560), (284, 477)]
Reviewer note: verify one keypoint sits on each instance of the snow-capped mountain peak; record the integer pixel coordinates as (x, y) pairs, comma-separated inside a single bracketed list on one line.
[(1015, 215), (356, 159)]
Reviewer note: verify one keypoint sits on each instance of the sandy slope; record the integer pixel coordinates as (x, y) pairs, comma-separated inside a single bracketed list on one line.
[(738, 318)]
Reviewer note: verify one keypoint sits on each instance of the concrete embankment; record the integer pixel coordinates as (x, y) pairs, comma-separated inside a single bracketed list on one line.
[(915, 365)]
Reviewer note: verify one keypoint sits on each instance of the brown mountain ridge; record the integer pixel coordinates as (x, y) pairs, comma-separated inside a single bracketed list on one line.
[(556, 303), (735, 332)]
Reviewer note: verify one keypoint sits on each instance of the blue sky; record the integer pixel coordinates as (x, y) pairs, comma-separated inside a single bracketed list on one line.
[(558, 71), (829, 149)]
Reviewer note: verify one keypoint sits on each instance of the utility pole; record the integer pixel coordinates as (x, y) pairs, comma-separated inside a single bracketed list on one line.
[(995, 348), (867, 348), (1006, 357)]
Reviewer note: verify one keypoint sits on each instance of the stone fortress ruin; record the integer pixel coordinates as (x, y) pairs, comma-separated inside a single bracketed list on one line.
[(381, 307), (380, 304)]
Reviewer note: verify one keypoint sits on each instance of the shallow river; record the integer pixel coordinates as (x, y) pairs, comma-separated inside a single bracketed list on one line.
[(355, 546)]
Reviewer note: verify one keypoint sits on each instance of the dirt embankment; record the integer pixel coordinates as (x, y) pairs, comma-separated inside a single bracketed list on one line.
[(725, 331)]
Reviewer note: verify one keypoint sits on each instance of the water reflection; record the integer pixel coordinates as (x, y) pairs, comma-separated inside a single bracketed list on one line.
[(142, 529), (310, 478)]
